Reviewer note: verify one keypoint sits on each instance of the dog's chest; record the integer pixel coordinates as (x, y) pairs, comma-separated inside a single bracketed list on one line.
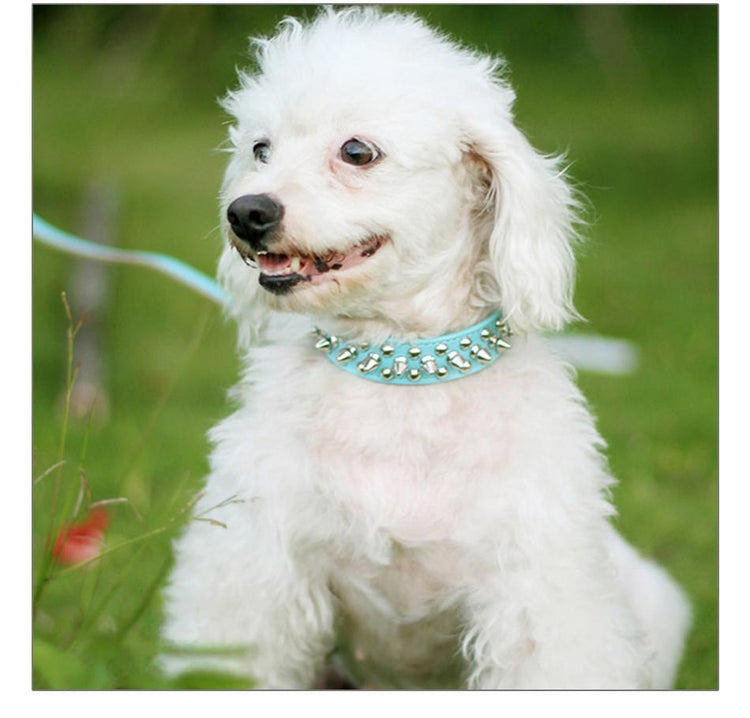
[(396, 460)]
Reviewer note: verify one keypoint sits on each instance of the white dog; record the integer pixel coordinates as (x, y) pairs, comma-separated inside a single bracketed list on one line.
[(406, 484)]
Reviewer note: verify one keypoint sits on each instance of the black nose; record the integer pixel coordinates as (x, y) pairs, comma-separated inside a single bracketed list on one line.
[(255, 218)]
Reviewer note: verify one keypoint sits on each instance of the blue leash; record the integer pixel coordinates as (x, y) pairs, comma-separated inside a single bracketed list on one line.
[(178, 270)]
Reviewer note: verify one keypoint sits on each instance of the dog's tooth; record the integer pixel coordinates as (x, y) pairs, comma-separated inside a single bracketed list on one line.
[(296, 264)]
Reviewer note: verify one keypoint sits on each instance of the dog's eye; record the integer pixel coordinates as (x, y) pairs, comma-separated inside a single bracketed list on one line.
[(358, 152), (261, 151)]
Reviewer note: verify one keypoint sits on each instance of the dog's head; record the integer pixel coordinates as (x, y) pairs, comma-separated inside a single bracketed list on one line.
[(376, 174)]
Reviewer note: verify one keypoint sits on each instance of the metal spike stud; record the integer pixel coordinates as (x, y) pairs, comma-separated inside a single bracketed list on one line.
[(346, 354), (399, 365), (441, 349), (387, 373), (456, 360), (465, 343), (484, 356), (442, 372), (371, 362), (429, 364), (387, 350), (485, 334), (474, 350), (504, 327), (502, 344), (414, 352), (324, 344), (415, 374)]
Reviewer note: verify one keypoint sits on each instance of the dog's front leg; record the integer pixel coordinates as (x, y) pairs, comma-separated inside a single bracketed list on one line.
[(242, 604), (558, 628)]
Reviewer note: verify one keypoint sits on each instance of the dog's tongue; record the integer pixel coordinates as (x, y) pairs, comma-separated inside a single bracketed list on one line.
[(314, 266), (274, 262)]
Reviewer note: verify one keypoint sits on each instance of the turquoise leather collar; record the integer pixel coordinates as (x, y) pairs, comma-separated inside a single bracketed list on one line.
[(421, 362)]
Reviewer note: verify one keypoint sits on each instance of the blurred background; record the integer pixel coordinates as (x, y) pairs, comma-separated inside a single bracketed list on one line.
[(126, 150)]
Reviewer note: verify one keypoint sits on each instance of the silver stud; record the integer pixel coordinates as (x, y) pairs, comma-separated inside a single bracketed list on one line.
[(504, 327), (324, 344), (441, 349), (371, 362), (502, 344), (442, 372), (492, 340), (387, 350), (474, 350), (364, 346), (429, 365), (334, 341), (485, 334), (414, 352), (387, 373), (465, 343), (483, 355), (399, 365), (456, 360), (346, 354), (415, 374)]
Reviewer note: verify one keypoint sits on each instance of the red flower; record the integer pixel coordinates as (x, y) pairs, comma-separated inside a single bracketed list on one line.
[(82, 541)]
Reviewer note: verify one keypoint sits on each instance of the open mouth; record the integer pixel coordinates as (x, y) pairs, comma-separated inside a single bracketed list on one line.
[(280, 273)]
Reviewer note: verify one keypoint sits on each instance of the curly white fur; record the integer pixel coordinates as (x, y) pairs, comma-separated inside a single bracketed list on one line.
[(455, 535)]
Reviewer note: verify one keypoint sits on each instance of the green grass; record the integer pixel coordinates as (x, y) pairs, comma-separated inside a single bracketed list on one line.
[(129, 96)]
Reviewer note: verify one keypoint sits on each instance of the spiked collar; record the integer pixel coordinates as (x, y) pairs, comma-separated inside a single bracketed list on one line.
[(424, 361)]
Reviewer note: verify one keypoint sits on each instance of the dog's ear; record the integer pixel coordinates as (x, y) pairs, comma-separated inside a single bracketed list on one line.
[(528, 266)]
